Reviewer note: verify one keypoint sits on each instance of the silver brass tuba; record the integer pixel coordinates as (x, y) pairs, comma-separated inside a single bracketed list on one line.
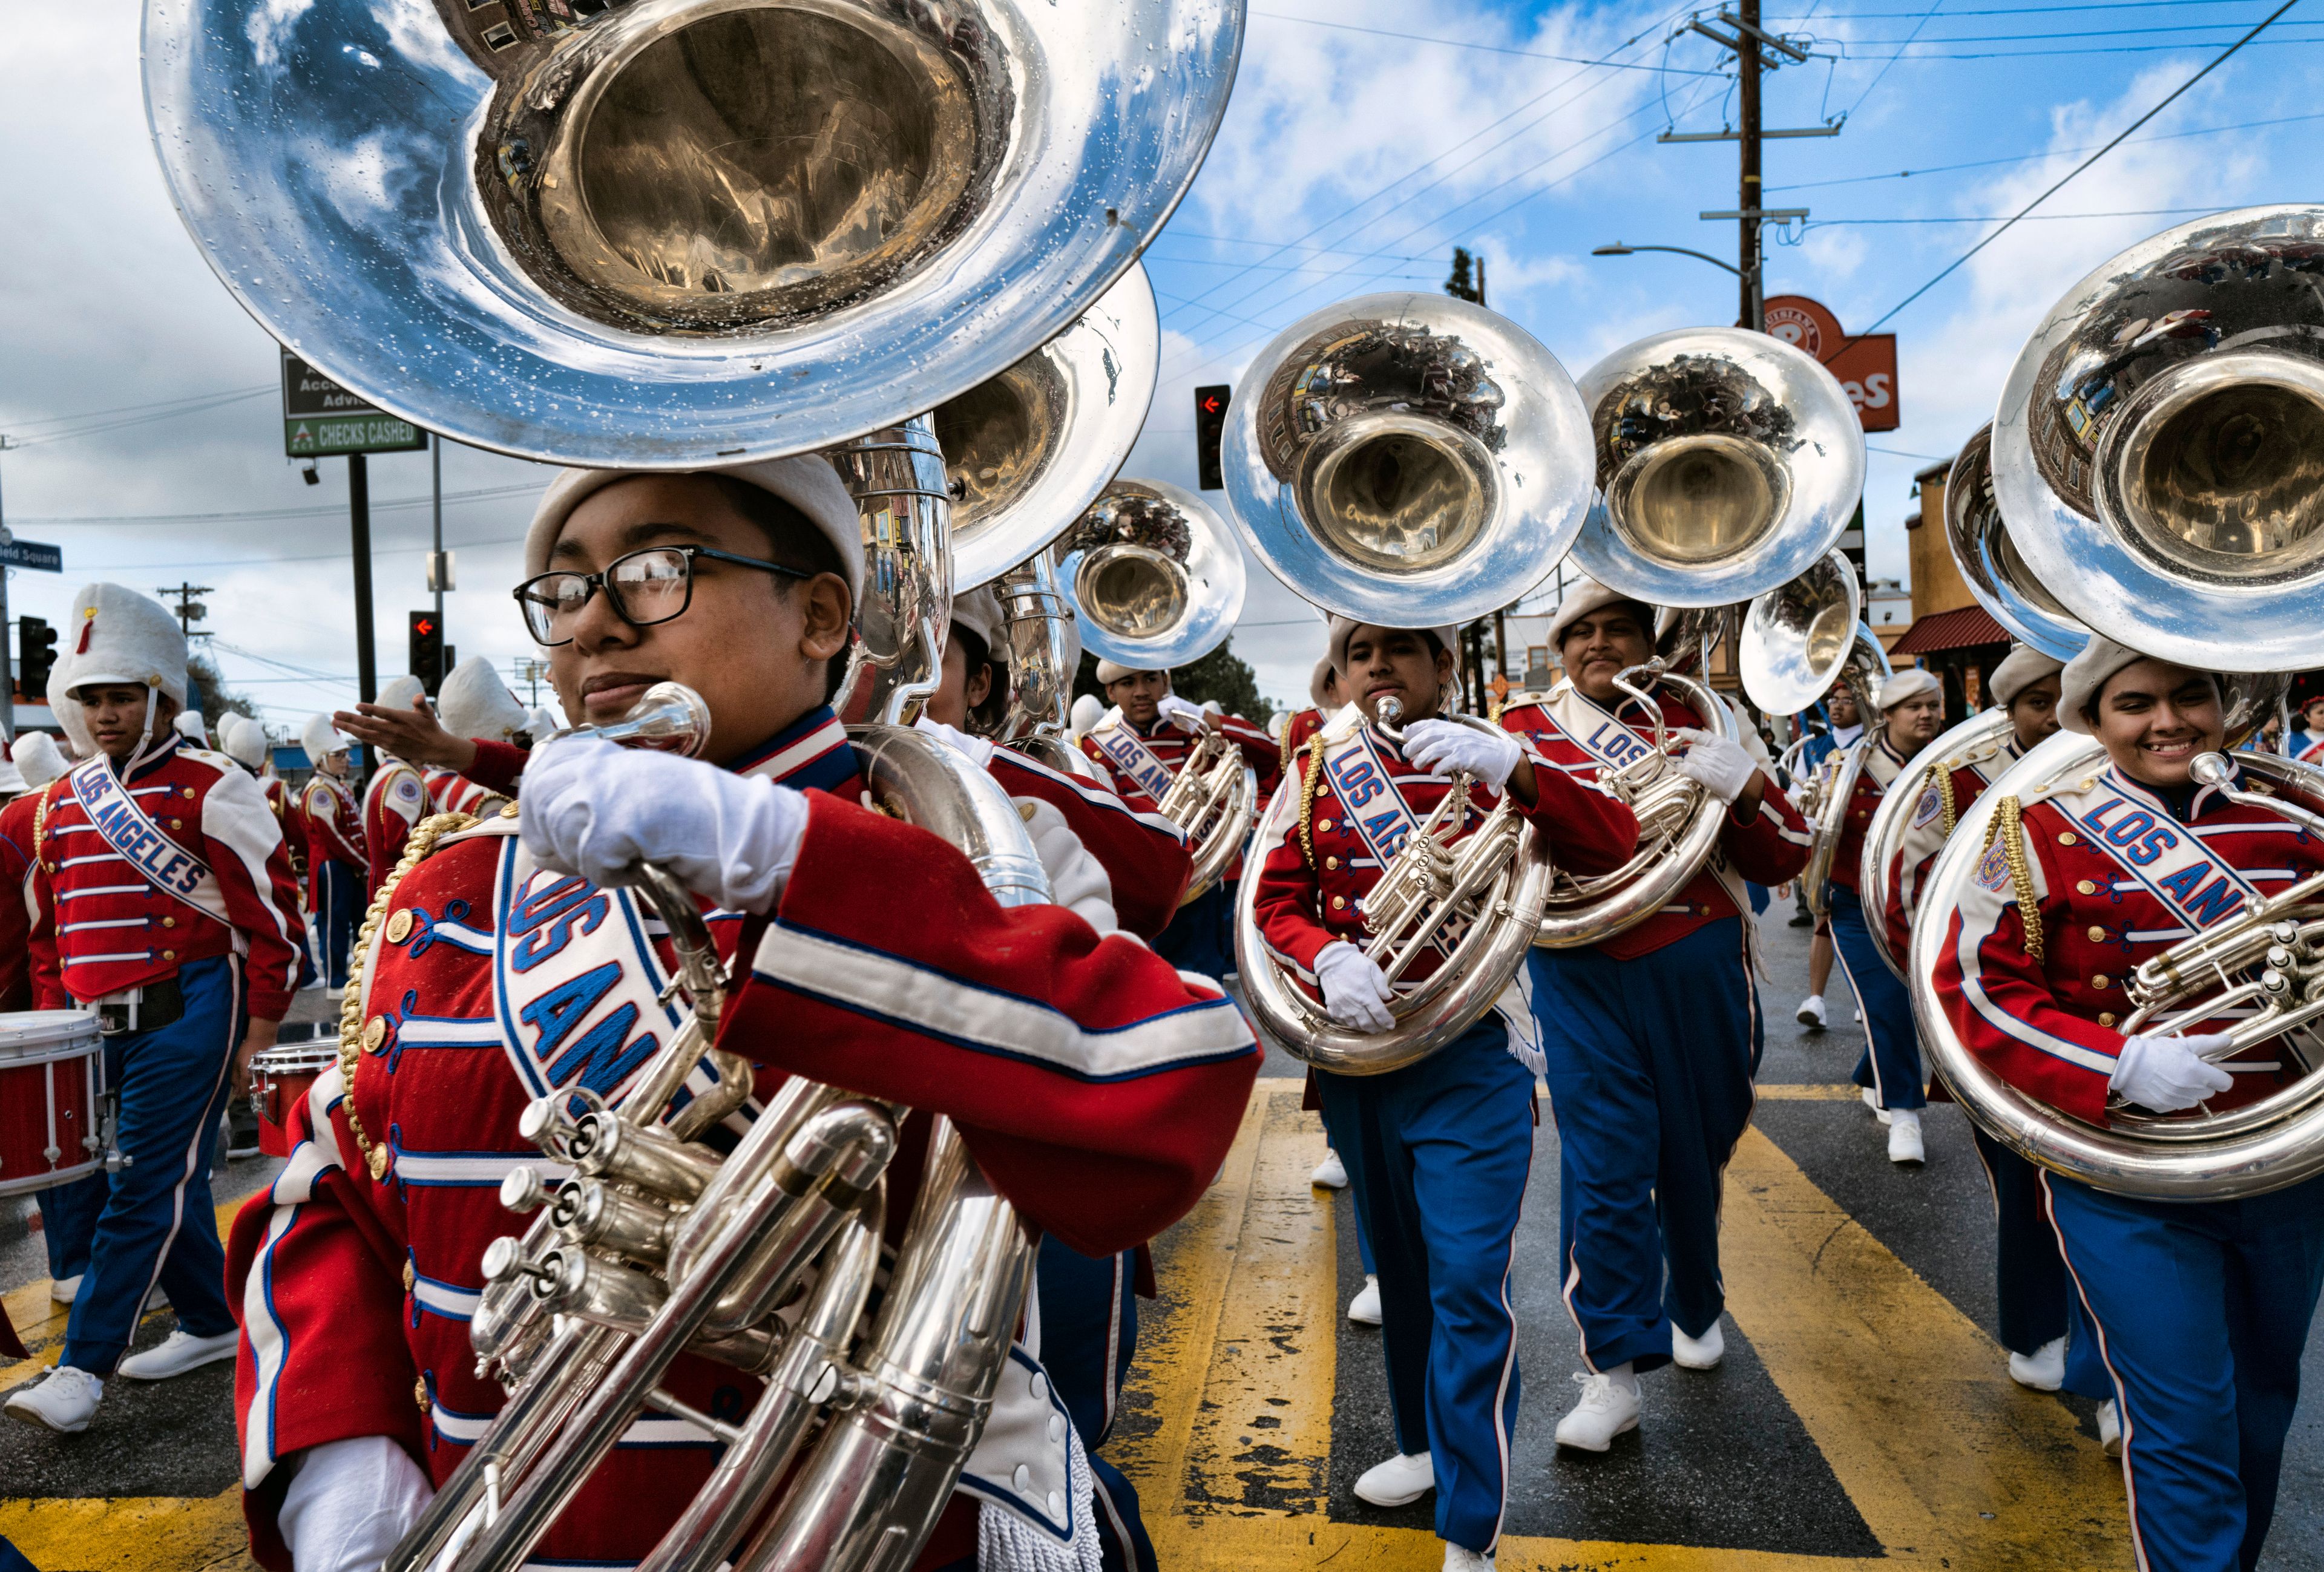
[(674, 234), (1866, 668), (1410, 460)]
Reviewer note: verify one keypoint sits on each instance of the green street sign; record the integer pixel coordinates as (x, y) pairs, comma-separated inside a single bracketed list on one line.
[(321, 417)]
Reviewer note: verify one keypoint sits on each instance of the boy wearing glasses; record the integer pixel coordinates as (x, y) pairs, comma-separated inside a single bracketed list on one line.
[(1097, 1088)]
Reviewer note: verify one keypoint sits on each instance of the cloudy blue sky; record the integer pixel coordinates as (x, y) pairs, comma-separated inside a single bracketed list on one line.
[(1366, 138)]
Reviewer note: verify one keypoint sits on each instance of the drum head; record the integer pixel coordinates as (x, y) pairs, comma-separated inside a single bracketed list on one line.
[(39, 1034)]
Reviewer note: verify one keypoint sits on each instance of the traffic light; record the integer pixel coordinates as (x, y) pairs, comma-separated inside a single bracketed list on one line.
[(427, 651), (1210, 424), (37, 643)]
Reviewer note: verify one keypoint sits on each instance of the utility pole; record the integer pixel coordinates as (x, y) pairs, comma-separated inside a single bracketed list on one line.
[(1748, 41), (189, 610), (7, 669), (359, 526), (436, 557)]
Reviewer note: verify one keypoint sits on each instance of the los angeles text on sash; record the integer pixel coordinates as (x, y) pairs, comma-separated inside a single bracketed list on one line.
[(124, 826)]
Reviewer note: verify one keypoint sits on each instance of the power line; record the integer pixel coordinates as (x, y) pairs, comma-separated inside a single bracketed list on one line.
[(2078, 32), (257, 514), (2033, 218), (2024, 158), (2172, 98), (215, 402), (315, 556), (2127, 49), (133, 409), (1487, 48), (2015, 10)]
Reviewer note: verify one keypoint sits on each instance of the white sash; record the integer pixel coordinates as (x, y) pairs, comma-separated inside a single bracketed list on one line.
[(2158, 854), (1369, 798), (161, 861), (1595, 729), (1129, 753)]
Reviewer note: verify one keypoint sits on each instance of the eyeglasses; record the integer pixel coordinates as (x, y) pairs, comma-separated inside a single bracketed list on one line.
[(645, 587)]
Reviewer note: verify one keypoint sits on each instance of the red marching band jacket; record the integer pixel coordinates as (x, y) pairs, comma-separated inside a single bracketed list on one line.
[(1973, 770), (1142, 764), (492, 773), (1582, 739), (1882, 765), (2116, 878), (1097, 1088), (292, 823), (182, 862), (394, 800), (334, 826), (16, 902), (1369, 800), (1144, 855)]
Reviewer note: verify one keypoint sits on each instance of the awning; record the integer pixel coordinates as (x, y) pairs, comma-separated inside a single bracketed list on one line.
[(1964, 629)]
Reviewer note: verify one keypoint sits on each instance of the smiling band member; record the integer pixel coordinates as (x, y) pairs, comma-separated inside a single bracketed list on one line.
[(1652, 1036), (1098, 1090), (2201, 1308), (1143, 742), (1437, 1151), (162, 902), (1912, 706)]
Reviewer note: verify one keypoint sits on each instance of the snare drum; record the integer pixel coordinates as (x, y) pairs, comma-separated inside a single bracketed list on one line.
[(52, 1099), (279, 1077)]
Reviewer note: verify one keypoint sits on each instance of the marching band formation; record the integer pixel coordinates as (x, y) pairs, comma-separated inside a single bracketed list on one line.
[(751, 1103)]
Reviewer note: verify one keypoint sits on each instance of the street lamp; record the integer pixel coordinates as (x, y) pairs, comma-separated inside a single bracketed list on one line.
[(1618, 249)]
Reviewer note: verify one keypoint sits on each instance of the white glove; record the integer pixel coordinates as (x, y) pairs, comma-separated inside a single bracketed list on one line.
[(1722, 766), (591, 808), (1078, 881), (350, 1502), (1441, 747), (1355, 991), (1190, 716), (2168, 1073), (978, 748)]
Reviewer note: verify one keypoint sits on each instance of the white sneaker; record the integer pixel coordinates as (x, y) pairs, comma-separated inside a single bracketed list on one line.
[(2111, 1428), (65, 1290), (179, 1352), (1331, 1173), (1904, 1137), (1364, 1309), (1703, 1353), (2043, 1370), (1461, 1559), (65, 1402), (1607, 1408), (1400, 1481), (1811, 1012), (1872, 1101), (334, 995)]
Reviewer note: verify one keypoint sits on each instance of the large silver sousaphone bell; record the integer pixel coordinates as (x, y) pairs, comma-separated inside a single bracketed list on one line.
[(667, 233), (1990, 563)]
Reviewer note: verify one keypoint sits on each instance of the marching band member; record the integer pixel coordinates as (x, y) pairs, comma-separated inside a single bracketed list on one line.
[(243, 740), (395, 799), (1846, 727), (1912, 705), (68, 1211), (162, 901), (470, 746), (1098, 1090), (2202, 1308), (1324, 701), (2306, 744), (1653, 1036), (1437, 1151), (1142, 743), (2028, 1277), (1116, 869), (331, 824)]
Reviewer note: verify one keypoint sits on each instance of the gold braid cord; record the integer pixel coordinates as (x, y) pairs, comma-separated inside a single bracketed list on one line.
[(424, 836), (1948, 812), (2007, 823), (1307, 790)]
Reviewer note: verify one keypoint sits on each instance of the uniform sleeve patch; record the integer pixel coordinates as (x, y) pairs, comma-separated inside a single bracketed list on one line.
[(1925, 812), (407, 789), (1993, 871)]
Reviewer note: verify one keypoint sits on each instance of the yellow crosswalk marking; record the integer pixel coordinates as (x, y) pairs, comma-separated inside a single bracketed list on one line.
[(130, 1533)]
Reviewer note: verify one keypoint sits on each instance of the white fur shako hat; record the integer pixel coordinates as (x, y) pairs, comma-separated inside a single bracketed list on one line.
[(1584, 597), (398, 691), (1342, 628), (192, 728), (979, 611), (2086, 678), (807, 482), (114, 635), (242, 740), (320, 739), (2024, 667), (38, 759), (1323, 673), (474, 703), (1111, 672), (1906, 685)]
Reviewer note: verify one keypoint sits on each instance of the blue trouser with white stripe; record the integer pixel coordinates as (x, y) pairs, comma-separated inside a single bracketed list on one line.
[(1089, 1335), (69, 1222), (159, 1223), (1437, 1154), (1891, 1063), (2202, 1310), (335, 918), (1200, 937), (1650, 1068), (2028, 1277)]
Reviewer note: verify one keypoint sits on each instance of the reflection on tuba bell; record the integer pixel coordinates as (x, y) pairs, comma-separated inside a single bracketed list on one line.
[(671, 234), (1990, 564)]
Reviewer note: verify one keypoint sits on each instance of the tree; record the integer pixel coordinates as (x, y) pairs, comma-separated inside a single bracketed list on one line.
[(1466, 284), (208, 690), (1221, 674)]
